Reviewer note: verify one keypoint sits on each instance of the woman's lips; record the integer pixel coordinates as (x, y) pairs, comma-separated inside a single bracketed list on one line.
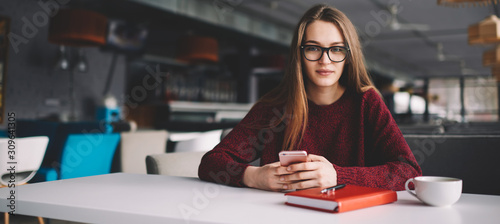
[(324, 72)]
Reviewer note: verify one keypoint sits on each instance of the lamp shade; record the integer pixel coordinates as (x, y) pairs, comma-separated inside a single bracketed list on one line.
[(485, 32), (78, 27), (495, 72), (197, 49), (492, 57)]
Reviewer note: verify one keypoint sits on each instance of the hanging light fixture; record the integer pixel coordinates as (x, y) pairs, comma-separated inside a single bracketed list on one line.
[(491, 57), (82, 65), (195, 49), (76, 28), (486, 31), (62, 62), (65, 63)]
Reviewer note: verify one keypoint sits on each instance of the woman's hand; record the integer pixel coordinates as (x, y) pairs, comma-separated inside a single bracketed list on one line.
[(266, 177), (316, 172)]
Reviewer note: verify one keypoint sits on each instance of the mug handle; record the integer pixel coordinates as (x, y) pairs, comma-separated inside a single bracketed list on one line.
[(408, 189)]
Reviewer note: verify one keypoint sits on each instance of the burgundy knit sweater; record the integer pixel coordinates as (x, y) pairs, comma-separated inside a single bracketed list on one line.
[(357, 134)]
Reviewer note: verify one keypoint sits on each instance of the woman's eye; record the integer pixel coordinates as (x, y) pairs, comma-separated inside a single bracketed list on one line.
[(336, 49), (312, 49)]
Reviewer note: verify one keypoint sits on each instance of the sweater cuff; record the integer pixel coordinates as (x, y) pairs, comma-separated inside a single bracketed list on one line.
[(344, 175), (235, 172)]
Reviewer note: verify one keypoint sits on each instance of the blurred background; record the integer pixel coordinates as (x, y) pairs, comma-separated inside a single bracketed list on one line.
[(184, 72), (162, 61)]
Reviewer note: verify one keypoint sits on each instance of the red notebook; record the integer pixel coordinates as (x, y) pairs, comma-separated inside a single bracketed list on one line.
[(349, 198)]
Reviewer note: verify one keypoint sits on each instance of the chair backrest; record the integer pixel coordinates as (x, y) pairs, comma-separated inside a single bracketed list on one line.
[(28, 156), (174, 164), (135, 146), (204, 141), (57, 132), (88, 154)]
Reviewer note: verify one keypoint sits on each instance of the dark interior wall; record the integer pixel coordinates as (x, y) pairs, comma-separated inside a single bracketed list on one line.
[(472, 158), (31, 79)]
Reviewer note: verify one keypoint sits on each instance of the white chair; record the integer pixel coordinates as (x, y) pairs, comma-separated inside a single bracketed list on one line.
[(29, 153), (135, 146), (25, 161), (175, 164), (200, 141)]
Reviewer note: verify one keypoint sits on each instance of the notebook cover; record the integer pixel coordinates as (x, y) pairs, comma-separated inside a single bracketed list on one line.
[(349, 198)]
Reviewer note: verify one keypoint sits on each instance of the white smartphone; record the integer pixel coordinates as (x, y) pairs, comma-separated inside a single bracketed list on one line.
[(289, 157)]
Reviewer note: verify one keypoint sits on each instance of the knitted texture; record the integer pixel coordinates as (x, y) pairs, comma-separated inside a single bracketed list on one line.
[(357, 134)]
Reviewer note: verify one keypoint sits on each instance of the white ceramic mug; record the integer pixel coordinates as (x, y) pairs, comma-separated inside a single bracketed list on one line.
[(436, 191)]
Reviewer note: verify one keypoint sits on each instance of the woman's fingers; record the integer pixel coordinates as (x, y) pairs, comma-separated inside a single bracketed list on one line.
[(268, 177), (298, 167), (316, 158), (311, 164), (319, 172), (298, 176), (302, 185)]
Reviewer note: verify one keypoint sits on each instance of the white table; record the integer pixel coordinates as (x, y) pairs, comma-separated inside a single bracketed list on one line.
[(138, 198)]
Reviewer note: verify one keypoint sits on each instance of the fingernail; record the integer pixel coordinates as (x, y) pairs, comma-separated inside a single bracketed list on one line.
[(282, 179), (288, 168), (285, 186)]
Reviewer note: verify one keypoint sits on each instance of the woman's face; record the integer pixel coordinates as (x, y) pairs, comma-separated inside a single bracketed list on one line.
[(323, 73)]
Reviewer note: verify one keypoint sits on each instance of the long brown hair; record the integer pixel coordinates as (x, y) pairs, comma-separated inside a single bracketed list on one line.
[(291, 91)]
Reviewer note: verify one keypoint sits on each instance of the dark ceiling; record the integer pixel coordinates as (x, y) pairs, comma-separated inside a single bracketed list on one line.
[(410, 52), (407, 53)]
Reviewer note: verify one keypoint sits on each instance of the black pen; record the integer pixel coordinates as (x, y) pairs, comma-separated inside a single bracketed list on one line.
[(332, 188)]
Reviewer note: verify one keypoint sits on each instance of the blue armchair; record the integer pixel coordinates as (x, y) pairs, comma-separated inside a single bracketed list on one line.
[(75, 149), (84, 155)]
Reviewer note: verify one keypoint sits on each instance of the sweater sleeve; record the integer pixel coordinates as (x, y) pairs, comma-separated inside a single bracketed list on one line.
[(226, 163), (389, 161)]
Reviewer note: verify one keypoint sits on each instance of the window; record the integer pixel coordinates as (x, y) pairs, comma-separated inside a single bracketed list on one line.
[(444, 98), (481, 99)]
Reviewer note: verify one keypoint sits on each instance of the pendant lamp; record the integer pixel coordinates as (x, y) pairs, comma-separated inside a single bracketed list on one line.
[(194, 49), (78, 28), (486, 31)]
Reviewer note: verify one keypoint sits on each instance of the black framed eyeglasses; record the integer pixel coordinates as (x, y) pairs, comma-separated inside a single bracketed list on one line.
[(314, 52)]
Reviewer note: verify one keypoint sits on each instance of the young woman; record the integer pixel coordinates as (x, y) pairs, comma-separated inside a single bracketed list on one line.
[(325, 105)]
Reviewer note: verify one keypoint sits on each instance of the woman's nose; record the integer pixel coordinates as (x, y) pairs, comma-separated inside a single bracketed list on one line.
[(324, 58)]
